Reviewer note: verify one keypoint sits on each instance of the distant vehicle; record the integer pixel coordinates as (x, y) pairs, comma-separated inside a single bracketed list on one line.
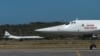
[(7, 35), (79, 27)]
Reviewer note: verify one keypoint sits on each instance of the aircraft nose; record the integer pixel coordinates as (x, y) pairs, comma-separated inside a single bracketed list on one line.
[(42, 30), (52, 29), (39, 30)]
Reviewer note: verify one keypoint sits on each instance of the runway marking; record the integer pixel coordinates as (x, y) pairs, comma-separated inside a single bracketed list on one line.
[(78, 53)]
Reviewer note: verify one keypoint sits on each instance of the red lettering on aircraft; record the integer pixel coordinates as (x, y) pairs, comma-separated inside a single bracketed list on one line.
[(90, 26)]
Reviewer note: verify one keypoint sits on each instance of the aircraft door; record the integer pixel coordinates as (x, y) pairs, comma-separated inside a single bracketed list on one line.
[(81, 27)]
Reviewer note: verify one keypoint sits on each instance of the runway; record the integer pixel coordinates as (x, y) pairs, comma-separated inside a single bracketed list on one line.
[(48, 52)]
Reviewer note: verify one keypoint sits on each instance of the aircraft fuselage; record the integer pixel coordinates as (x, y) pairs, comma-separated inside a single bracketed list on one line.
[(76, 27)]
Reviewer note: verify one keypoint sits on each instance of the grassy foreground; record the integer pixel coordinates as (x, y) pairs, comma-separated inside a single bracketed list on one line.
[(47, 44)]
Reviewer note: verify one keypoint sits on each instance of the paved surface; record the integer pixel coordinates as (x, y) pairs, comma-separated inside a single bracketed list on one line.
[(49, 52)]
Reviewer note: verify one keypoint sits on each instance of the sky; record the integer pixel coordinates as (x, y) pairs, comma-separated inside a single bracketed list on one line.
[(26, 11)]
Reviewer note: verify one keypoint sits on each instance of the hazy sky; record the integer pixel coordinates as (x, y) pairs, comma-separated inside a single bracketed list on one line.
[(25, 11)]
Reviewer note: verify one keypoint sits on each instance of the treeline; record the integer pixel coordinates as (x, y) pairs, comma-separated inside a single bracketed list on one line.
[(28, 30)]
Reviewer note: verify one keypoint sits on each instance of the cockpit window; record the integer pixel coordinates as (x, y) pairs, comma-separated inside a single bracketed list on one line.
[(67, 23), (73, 22)]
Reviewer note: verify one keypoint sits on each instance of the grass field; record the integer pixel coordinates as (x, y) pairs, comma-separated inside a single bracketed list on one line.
[(41, 44)]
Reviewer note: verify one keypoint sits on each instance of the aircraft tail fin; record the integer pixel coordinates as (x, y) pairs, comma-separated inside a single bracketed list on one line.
[(7, 34)]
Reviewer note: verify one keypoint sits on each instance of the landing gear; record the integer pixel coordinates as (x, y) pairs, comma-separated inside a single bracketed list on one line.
[(93, 46)]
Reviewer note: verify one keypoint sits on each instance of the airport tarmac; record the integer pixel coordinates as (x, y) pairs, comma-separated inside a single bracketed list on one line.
[(48, 52)]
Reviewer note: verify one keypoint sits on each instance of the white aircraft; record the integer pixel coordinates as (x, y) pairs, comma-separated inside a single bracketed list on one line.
[(76, 27), (9, 36)]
